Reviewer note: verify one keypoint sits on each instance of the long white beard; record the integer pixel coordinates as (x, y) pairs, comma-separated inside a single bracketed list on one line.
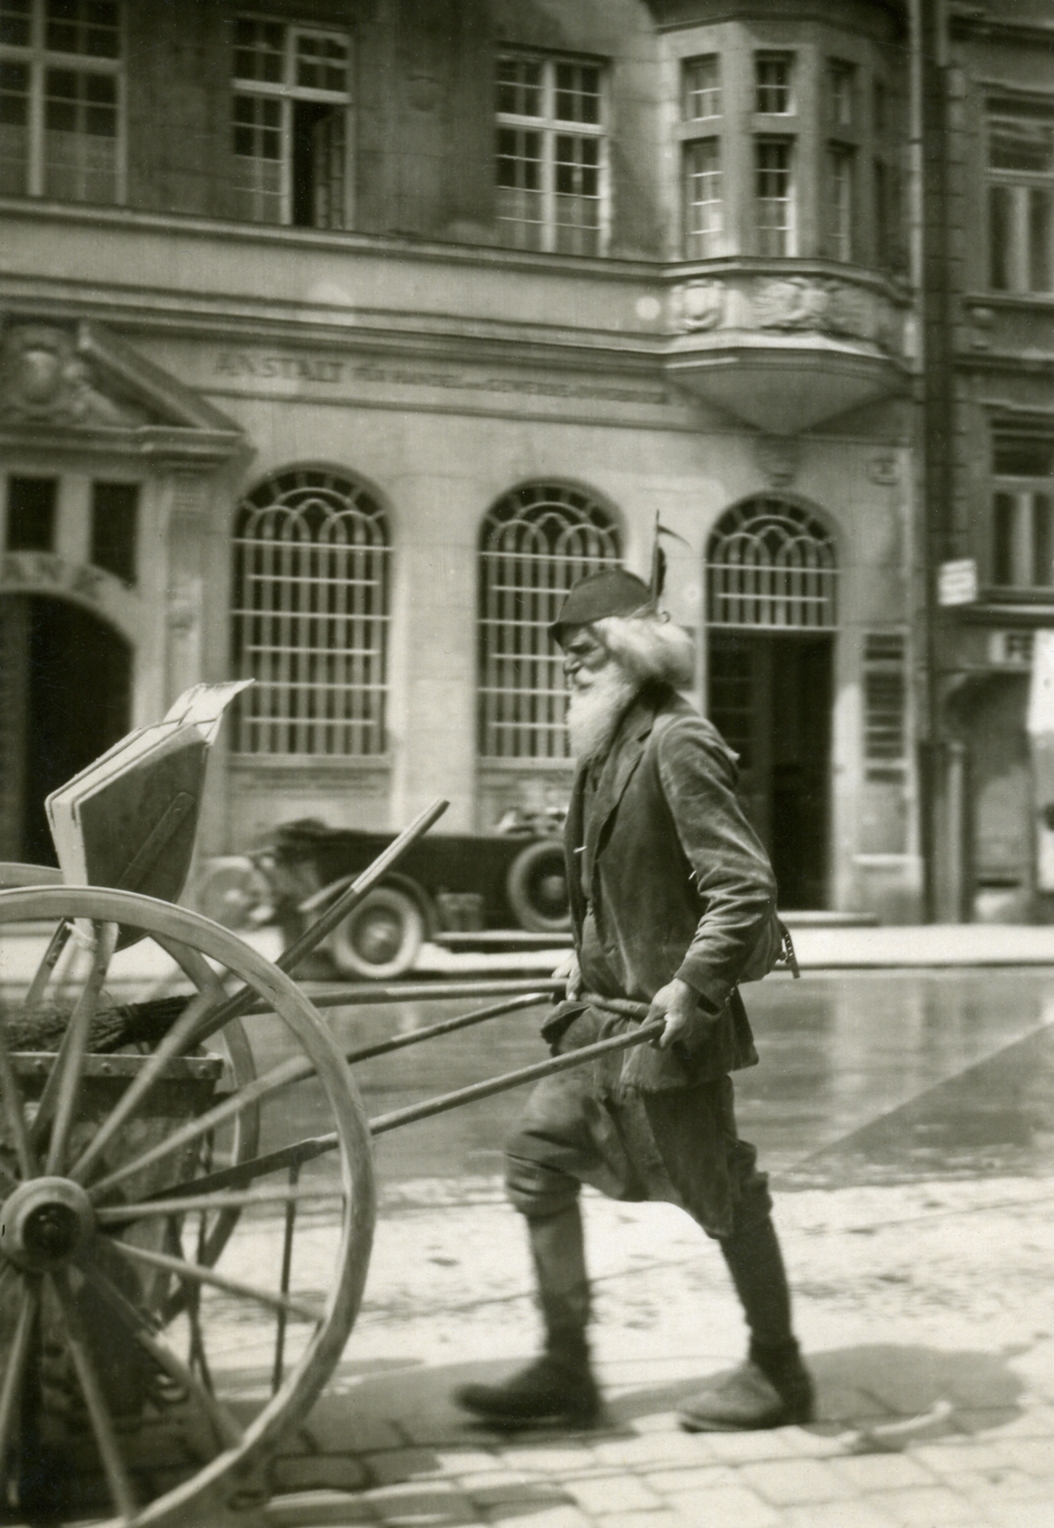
[(594, 714)]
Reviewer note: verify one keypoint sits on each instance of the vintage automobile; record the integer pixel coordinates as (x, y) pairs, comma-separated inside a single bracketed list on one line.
[(465, 890)]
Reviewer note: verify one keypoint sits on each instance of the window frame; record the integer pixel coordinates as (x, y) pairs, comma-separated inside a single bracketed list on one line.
[(38, 60), (286, 92), (885, 718), (549, 128), (790, 230), (278, 584), (510, 715), (1017, 254), (1014, 546)]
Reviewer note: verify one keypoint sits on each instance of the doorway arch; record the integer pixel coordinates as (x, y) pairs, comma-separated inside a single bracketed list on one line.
[(65, 697), (771, 580)]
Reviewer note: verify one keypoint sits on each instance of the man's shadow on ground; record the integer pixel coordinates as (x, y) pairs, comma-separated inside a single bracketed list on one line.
[(873, 1398)]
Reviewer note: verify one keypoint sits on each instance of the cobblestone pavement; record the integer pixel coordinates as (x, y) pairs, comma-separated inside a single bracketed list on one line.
[(924, 1310)]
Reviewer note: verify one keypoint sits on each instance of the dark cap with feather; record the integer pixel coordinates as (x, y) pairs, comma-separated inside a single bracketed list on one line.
[(610, 591)]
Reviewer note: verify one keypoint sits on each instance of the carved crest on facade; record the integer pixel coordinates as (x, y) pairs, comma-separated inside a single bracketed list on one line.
[(813, 304), (699, 305), (44, 380)]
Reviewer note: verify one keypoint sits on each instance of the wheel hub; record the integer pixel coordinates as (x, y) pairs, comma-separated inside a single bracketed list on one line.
[(44, 1223)]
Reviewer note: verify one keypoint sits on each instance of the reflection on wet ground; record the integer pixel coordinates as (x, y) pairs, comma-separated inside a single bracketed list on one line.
[(839, 1052)]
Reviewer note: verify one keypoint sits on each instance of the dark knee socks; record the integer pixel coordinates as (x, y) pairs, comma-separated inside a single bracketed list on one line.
[(558, 1251), (756, 1265)]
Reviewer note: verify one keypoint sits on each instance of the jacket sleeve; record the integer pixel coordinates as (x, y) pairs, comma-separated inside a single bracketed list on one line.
[(728, 865)]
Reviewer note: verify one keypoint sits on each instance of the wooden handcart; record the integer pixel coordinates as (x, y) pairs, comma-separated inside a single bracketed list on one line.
[(182, 1249)]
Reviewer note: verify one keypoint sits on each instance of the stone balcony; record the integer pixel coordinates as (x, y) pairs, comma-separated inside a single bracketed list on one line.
[(787, 345)]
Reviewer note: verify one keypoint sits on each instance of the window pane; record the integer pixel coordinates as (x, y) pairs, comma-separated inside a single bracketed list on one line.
[(577, 181), (14, 129), (1004, 506), (1042, 543), (31, 504), (772, 82), (321, 62), (577, 93), (310, 617), (82, 26), (1018, 143), (703, 213), (840, 168), (773, 197), (80, 137), (1020, 456), (519, 178), (519, 87), (1000, 225), (702, 88), (535, 543), (15, 23), (1040, 241), (114, 514), (841, 86), (259, 51)]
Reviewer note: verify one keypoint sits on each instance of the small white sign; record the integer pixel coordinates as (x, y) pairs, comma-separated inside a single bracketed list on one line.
[(957, 582)]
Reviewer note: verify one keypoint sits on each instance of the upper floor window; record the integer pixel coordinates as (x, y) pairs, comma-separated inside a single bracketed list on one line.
[(774, 196), (1022, 547), (535, 543), (841, 201), (773, 78), (291, 106), (551, 155), (1021, 201), (60, 82), (310, 616), (702, 88), (841, 95)]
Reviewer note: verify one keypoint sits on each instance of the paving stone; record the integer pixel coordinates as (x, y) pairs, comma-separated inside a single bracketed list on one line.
[(1023, 1514), (837, 1514), (425, 1503), (1036, 1455), (742, 1446), (660, 1518), (792, 1482), (951, 1459), (658, 1421), (651, 1448), (317, 1472), (317, 1509), (616, 1493), (550, 1459), (521, 1516), (692, 1477), (817, 1445), (993, 1487), (882, 1472), (398, 1464), (466, 1461), (725, 1507), (926, 1506), (489, 1492), (337, 1426)]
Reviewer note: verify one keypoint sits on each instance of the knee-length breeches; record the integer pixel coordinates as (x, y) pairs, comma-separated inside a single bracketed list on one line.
[(680, 1146)]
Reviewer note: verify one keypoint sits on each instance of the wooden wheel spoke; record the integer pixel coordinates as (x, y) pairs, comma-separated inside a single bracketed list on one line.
[(175, 1041), (228, 1430), (117, 1476), (14, 1114), (295, 1069), (241, 1173), (11, 1384), (194, 1273), (59, 1098), (205, 1204), (49, 960)]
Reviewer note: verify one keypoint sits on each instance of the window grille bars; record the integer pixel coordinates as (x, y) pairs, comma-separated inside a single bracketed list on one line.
[(535, 543), (771, 563), (310, 617), (885, 704)]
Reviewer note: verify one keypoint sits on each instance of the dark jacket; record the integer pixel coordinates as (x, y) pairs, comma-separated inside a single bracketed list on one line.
[(679, 883)]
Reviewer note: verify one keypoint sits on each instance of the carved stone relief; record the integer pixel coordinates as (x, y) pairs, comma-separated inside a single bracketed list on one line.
[(778, 457), (43, 380), (699, 305)]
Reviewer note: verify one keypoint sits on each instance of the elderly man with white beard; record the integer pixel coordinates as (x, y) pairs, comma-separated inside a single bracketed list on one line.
[(673, 903)]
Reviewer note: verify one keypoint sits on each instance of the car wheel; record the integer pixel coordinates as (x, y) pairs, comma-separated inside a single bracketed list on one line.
[(380, 938), (537, 889)]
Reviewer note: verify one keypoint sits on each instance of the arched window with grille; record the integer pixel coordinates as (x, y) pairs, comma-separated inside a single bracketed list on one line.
[(310, 615), (535, 543), (771, 563)]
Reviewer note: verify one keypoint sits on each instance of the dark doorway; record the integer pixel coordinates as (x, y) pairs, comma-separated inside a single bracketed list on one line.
[(65, 697), (770, 698)]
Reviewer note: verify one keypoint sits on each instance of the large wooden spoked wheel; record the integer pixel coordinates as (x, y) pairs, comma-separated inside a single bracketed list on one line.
[(152, 1351)]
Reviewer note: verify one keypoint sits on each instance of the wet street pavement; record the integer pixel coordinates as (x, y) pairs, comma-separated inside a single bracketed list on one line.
[(948, 1050)]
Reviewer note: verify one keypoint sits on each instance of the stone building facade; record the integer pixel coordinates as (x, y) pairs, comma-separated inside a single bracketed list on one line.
[(339, 337)]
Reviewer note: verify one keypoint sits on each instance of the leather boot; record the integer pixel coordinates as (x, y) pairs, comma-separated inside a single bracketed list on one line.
[(558, 1388), (773, 1387)]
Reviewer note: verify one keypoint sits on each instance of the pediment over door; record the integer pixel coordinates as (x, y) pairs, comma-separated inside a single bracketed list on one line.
[(81, 386)]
